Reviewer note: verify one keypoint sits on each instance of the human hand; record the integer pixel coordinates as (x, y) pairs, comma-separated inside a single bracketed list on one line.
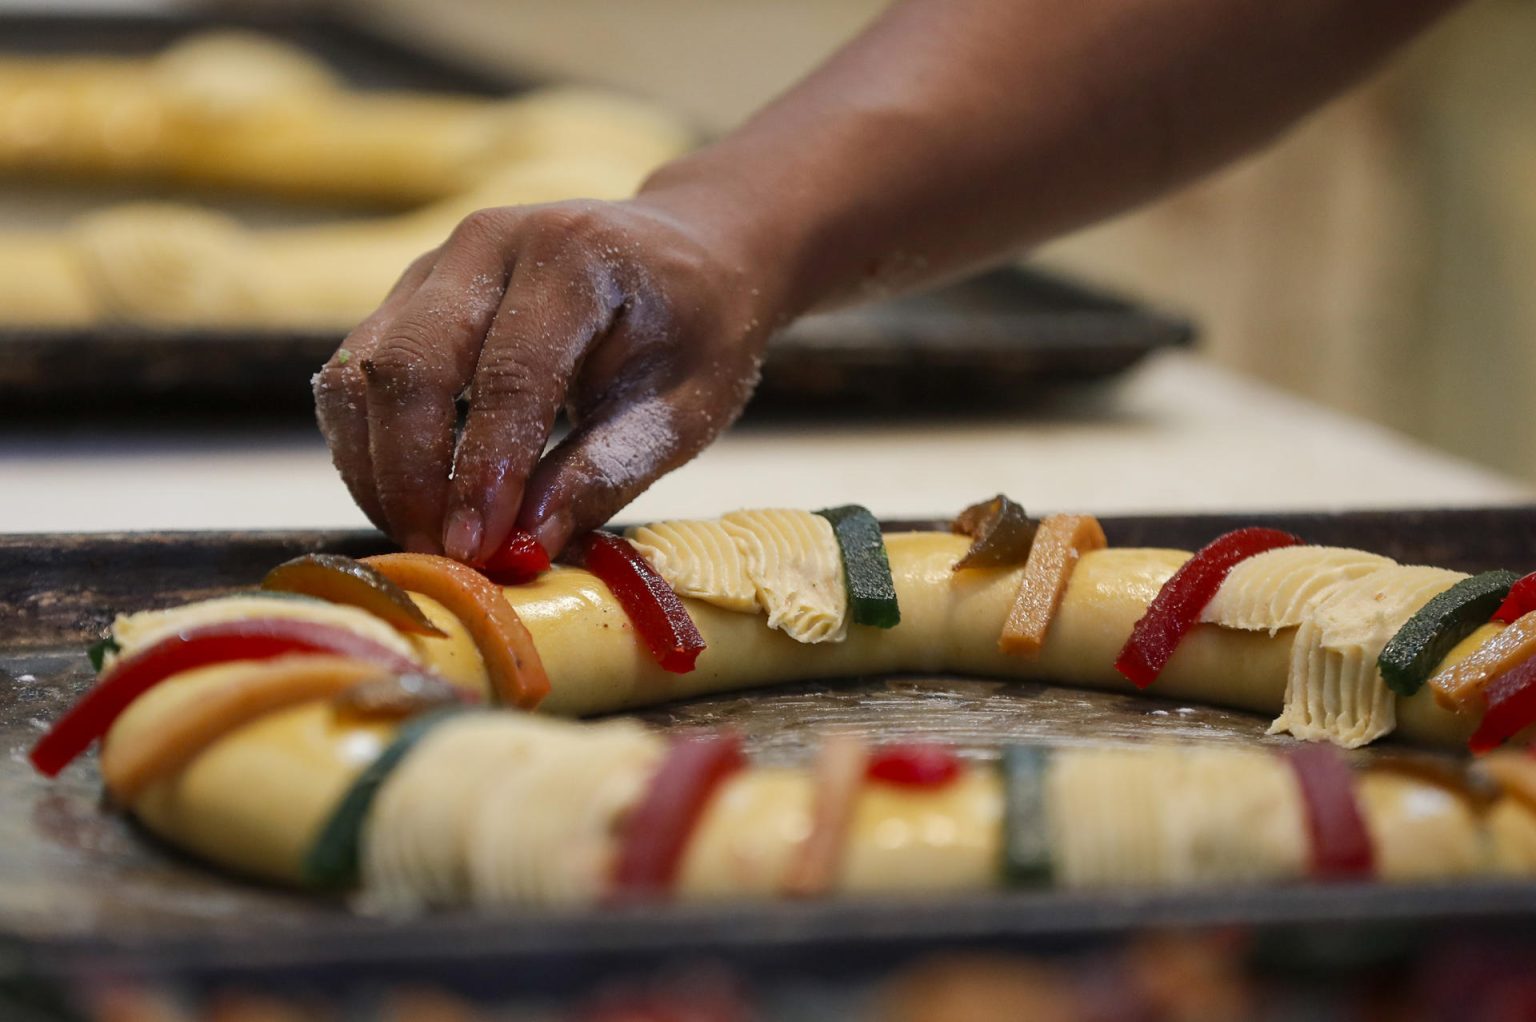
[(647, 326)]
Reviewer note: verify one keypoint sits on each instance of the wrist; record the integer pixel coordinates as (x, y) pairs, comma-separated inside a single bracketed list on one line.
[(755, 228)]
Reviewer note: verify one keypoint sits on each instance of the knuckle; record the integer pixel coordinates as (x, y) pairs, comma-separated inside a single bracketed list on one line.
[(422, 263), (481, 227), (565, 225), (506, 382), (406, 364)]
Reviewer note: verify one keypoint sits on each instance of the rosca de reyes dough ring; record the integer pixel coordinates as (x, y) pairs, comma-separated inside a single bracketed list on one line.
[(234, 727)]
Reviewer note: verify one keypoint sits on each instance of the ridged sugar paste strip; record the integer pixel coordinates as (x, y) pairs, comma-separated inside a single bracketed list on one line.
[(1231, 816), (1366, 613), (1102, 805), (546, 835), (414, 839), (796, 569), (1333, 690), (1278, 588), (699, 559)]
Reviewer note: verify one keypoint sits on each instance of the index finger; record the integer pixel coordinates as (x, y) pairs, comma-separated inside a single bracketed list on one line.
[(554, 310), (341, 394)]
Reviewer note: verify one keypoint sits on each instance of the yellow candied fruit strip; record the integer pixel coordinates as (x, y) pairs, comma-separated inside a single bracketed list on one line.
[(1060, 540), (250, 690), (1459, 686)]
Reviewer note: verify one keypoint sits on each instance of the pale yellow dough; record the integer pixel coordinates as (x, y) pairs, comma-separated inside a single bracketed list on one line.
[(254, 800)]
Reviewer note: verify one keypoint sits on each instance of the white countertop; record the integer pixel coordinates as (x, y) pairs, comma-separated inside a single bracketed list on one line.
[(1178, 435)]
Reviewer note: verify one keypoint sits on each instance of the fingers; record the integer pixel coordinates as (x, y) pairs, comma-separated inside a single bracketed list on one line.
[(341, 399), (606, 462), (425, 358), (557, 304)]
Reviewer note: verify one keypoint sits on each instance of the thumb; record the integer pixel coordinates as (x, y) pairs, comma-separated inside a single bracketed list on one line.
[(606, 462)]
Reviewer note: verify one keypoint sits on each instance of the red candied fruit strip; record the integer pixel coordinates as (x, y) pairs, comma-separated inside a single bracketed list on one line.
[(652, 607), (1178, 605), (521, 559), (1510, 707), (914, 765), (1520, 601), (657, 831), (1341, 845), (131, 677)]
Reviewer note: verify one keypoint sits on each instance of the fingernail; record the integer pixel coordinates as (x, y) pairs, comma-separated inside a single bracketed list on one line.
[(461, 537), (553, 531)]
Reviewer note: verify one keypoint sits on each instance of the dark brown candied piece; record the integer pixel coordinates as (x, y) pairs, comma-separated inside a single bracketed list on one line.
[(397, 698), (1001, 534), (342, 580)]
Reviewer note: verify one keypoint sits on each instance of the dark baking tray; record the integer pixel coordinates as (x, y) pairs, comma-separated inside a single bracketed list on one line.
[(81, 890), (990, 341)]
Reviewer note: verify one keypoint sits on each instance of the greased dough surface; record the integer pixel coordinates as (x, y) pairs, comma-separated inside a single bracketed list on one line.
[(747, 835), (255, 800), (950, 623), (1419, 830), (944, 839), (303, 760)]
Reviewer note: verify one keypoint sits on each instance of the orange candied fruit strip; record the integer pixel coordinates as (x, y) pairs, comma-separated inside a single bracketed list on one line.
[(516, 672), (1058, 543), (251, 689), (841, 766), (1460, 686)]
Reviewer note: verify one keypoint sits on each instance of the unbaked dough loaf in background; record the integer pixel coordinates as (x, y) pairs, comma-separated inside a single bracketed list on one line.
[(244, 112)]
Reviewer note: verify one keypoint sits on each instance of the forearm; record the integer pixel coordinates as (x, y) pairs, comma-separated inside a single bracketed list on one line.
[(954, 132)]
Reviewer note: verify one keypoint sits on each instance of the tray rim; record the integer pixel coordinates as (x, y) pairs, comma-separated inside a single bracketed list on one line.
[(348, 943), (759, 931)]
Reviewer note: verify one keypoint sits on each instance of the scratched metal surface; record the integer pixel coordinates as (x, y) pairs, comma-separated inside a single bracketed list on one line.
[(78, 883)]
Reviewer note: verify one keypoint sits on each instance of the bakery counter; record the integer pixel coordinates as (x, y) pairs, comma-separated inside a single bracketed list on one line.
[(1177, 435)]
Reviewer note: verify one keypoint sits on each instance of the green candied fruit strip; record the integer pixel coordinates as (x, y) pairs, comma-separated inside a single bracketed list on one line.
[(1026, 837), (99, 650), (1416, 650), (333, 859), (866, 569)]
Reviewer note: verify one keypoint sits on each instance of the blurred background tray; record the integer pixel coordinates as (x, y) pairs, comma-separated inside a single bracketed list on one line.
[(988, 341), (81, 889)]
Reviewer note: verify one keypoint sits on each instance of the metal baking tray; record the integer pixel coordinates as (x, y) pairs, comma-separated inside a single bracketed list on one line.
[(989, 341), (82, 890)]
